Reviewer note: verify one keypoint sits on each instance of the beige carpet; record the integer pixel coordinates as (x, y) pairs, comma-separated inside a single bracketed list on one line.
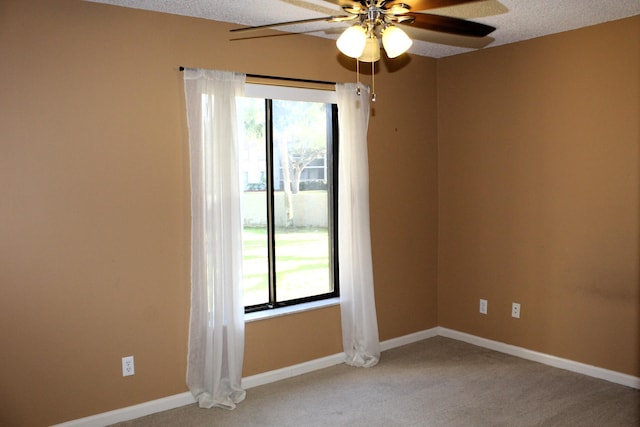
[(435, 382)]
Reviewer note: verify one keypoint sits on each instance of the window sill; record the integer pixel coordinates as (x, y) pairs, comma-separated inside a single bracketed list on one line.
[(283, 311)]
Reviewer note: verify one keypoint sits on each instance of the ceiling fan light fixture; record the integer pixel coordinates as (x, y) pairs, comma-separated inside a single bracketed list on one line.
[(395, 41), (371, 51), (352, 41)]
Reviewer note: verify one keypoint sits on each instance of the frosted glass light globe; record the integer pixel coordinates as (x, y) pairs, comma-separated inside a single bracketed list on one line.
[(352, 41), (395, 41)]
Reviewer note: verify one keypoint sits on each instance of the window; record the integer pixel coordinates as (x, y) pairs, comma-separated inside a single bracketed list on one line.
[(289, 166)]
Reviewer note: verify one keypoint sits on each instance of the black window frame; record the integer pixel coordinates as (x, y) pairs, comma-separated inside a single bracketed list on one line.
[(332, 189)]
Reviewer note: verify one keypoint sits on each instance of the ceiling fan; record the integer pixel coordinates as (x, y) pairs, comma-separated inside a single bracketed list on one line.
[(378, 18)]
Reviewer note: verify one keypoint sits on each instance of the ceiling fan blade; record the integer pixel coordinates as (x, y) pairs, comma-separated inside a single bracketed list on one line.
[(447, 24), (417, 5), (346, 2), (300, 21)]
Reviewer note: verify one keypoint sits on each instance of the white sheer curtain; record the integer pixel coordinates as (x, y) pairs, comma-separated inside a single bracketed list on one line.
[(357, 302), (216, 329)]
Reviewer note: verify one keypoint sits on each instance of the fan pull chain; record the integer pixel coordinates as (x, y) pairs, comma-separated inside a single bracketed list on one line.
[(373, 82), (357, 77)]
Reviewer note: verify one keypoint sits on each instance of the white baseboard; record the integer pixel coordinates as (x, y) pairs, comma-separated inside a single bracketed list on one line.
[(408, 339), (182, 399), (325, 362), (132, 412), (546, 359), (292, 371)]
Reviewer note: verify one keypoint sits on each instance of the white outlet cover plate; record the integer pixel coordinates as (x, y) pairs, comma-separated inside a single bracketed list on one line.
[(483, 306), (128, 367), (515, 310)]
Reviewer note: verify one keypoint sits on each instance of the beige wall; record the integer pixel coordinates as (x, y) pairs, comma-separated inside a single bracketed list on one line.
[(95, 221), (539, 194), (527, 153)]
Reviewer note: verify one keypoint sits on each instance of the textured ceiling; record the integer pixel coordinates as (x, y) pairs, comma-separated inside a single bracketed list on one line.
[(515, 20)]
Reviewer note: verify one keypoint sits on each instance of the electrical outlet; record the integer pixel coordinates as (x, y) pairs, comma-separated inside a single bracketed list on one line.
[(128, 367), (483, 306), (515, 310)]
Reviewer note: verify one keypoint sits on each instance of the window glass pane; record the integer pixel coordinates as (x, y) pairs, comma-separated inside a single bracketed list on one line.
[(301, 200), (254, 169), (288, 209)]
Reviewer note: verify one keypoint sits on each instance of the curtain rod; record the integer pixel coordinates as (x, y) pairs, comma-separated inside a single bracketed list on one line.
[(258, 78)]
